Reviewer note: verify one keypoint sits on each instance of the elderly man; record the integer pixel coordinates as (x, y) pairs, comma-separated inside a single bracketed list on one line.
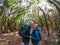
[(36, 36)]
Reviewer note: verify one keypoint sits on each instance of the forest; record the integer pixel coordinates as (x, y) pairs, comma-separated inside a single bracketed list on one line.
[(14, 13)]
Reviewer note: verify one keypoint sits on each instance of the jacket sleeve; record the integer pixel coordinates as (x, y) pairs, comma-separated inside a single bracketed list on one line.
[(36, 36), (23, 34)]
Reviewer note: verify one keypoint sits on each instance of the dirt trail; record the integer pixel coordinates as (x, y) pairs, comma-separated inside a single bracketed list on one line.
[(14, 39), (11, 39)]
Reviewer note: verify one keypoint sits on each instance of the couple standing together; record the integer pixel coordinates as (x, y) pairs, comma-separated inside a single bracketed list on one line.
[(26, 34)]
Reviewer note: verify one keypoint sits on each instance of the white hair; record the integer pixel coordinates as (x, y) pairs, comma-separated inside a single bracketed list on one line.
[(31, 22), (36, 25)]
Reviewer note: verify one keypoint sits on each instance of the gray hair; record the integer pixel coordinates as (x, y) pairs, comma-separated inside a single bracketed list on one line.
[(31, 22), (36, 25)]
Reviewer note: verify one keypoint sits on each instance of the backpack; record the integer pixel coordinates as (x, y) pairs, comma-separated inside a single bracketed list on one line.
[(40, 36), (24, 29), (19, 32)]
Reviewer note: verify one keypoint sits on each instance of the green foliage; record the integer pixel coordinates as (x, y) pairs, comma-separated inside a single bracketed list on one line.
[(9, 3), (50, 10), (1, 9), (19, 11)]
